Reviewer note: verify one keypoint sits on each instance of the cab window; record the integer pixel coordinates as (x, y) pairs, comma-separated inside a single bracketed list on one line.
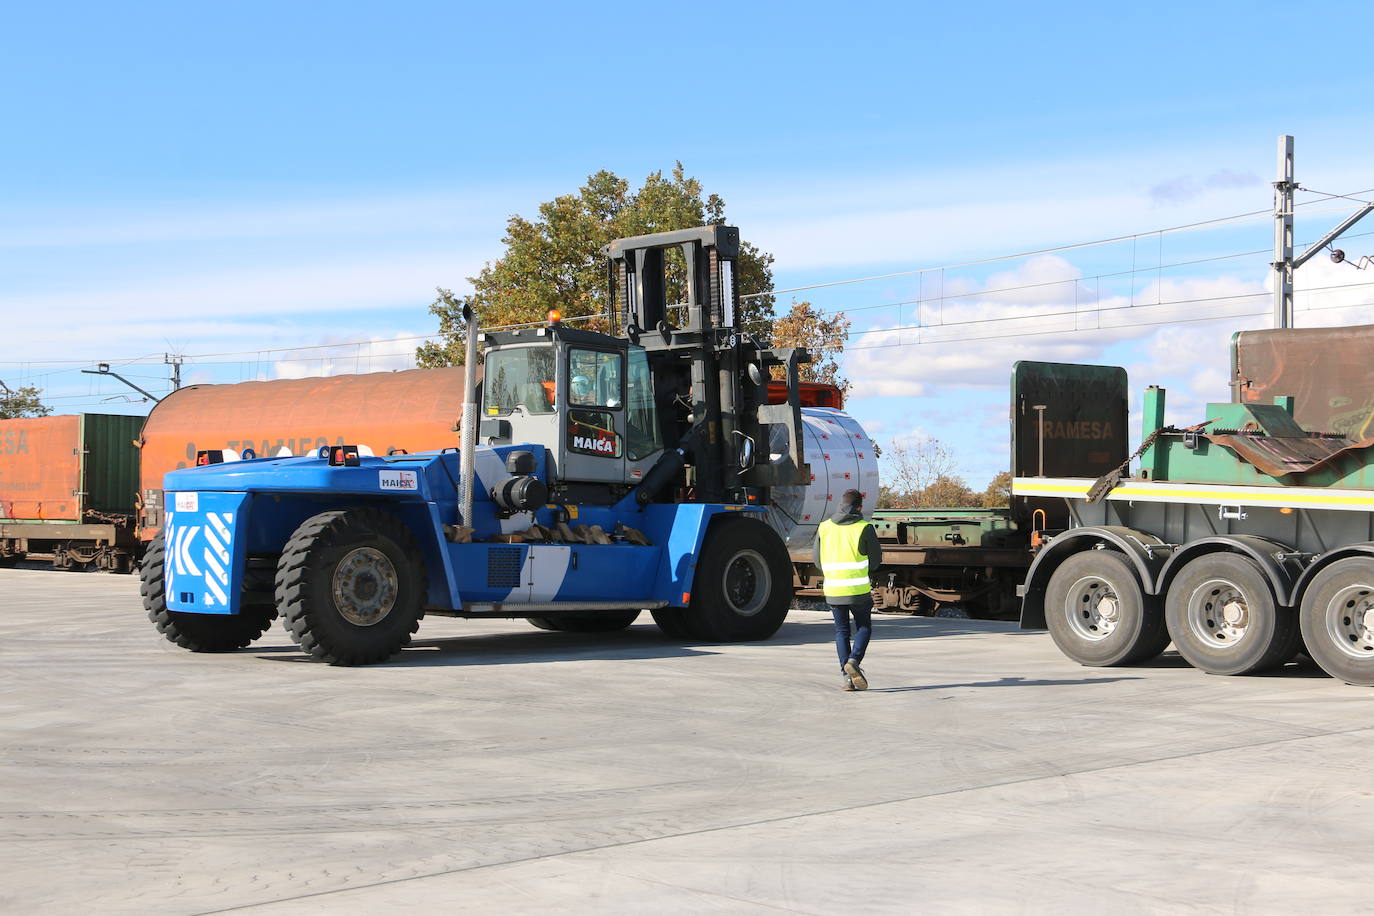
[(641, 429), (595, 378), (521, 377)]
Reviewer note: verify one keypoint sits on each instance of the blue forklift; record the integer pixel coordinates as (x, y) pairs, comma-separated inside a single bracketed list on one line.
[(596, 476)]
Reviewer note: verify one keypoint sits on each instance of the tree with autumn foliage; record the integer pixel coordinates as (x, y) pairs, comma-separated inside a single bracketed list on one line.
[(998, 492), (822, 335), (555, 262)]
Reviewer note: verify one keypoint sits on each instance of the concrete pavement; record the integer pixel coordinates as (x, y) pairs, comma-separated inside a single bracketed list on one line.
[(495, 766)]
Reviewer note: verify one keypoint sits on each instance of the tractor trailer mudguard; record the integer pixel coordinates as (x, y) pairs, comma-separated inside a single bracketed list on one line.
[(1279, 564), (1317, 565), (1139, 548)]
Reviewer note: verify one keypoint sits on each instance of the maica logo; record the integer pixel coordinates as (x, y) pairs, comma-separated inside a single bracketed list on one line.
[(604, 446)]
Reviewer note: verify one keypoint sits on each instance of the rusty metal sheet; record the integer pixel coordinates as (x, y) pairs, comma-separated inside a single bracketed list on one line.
[(416, 410), (40, 468), (1328, 371), (1277, 455)]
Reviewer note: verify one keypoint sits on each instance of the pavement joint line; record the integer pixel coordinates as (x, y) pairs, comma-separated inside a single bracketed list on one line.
[(789, 817)]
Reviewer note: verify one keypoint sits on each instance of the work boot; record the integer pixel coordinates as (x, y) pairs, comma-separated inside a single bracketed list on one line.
[(855, 674), (847, 683)]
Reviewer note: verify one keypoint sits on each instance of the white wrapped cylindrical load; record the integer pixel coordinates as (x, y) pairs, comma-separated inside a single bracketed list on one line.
[(841, 457)]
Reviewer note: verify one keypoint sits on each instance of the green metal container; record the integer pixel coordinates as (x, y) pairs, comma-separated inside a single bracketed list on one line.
[(109, 471)]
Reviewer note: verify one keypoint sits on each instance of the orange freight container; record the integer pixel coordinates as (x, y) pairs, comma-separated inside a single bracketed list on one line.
[(415, 410), (40, 473), (67, 487)]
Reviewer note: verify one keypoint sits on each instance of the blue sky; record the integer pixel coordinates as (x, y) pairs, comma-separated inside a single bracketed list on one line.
[(247, 177)]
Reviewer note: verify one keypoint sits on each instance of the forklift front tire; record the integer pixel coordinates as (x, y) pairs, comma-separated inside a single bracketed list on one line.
[(348, 588)]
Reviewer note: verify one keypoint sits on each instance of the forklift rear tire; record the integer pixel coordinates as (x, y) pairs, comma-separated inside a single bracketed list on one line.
[(673, 622), (347, 587), (595, 622), (743, 586), (197, 632)]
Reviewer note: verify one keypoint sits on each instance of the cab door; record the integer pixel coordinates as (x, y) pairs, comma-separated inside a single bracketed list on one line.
[(593, 428)]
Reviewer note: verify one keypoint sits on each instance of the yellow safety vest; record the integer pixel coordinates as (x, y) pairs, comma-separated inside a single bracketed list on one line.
[(845, 569)]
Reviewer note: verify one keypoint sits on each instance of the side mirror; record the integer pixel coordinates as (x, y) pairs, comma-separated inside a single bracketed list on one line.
[(746, 451)]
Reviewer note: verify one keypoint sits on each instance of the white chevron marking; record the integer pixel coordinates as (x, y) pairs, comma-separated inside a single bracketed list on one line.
[(184, 551), (213, 566)]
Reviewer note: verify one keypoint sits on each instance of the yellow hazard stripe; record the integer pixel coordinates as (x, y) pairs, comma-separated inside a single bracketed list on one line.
[(1295, 496)]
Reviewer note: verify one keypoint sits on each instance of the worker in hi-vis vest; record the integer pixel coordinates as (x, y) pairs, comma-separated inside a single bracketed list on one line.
[(847, 553)]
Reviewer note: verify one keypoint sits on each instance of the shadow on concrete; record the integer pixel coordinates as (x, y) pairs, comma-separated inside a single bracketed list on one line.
[(642, 640), (1009, 682), (1302, 666), (534, 646), (1170, 659), (808, 627)]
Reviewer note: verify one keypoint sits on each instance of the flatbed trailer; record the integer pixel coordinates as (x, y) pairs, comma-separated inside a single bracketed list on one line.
[(1242, 540)]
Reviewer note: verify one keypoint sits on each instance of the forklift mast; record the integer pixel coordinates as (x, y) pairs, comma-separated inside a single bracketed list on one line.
[(732, 423)]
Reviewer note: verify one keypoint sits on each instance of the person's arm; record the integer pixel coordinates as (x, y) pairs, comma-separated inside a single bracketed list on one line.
[(816, 549), (870, 547)]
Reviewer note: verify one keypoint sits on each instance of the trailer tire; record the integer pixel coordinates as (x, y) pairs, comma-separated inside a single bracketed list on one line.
[(1223, 617), (1337, 619), (1098, 614), (348, 588), (196, 632), (593, 622), (743, 585)]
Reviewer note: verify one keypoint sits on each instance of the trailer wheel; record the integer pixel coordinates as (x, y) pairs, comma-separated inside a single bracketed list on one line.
[(347, 586), (197, 632), (1097, 613), (1223, 617), (1338, 620), (743, 586), (594, 622)]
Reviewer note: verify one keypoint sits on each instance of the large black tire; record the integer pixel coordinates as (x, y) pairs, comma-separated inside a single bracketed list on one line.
[(673, 622), (1338, 620), (1223, 617), (197, 632), (1097, 613), (591, 622), (351, 587), (743, 585)]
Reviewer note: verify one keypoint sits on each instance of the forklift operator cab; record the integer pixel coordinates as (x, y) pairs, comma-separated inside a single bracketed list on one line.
[(586, 397)]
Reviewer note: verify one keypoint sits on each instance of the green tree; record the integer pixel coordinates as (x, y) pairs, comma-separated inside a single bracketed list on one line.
[(554, 261), (998, 492), (824, 337), (22, 402)]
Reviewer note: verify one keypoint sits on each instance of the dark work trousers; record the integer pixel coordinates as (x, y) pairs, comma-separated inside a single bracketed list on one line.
[(862, 612)]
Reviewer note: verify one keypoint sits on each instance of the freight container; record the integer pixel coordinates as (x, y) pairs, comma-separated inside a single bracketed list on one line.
[(67, 489)]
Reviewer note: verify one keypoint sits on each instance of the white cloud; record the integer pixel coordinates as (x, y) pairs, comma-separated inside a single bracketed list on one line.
[(984, 333), (378, 354)]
